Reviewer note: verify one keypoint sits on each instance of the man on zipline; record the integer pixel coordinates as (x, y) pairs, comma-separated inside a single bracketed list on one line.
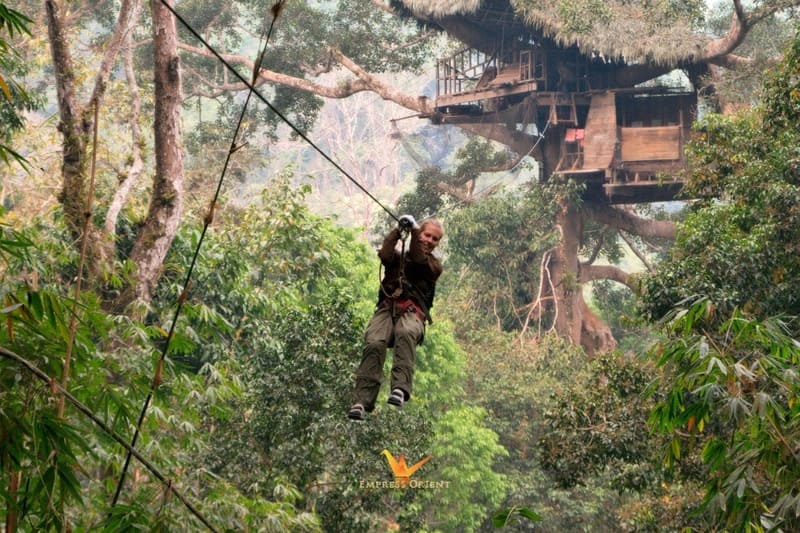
[(404, 302)]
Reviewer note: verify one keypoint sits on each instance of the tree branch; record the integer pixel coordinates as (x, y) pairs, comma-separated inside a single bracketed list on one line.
[(625, 220), (730, 61), (128, 16), (599, 246), (736, 33), (612, 272), (636, 251), (416, 103), (719, 50), (130, 175), (343, 90)]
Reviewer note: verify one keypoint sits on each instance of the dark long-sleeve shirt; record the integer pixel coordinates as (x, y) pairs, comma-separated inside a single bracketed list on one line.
[(418, 270)]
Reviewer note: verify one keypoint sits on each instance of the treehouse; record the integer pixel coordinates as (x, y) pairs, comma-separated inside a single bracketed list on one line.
[(625, 143)]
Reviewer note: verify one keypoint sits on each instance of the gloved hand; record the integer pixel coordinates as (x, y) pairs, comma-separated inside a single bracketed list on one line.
[(407, 222)]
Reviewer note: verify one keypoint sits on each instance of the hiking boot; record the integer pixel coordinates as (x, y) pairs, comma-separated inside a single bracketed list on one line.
[(357, 412), (397, 397)]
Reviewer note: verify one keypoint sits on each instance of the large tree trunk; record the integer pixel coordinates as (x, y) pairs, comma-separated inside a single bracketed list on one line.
[(563, 270), (572, 317), (74, 125), (77, 125), (166, 201)]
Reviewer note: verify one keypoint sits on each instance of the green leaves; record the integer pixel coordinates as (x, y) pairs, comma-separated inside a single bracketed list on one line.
[(507, 517), (597, 425), (729, 386), (741, 249), (13, 96)]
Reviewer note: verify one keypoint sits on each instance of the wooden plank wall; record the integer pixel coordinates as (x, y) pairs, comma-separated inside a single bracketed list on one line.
[(601, 132), (656, 143)]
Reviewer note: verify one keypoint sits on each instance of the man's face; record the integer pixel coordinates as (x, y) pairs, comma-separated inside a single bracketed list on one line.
[(429, 237)]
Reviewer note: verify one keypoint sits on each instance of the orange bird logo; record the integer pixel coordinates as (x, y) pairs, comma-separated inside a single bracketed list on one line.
[(402, 472)]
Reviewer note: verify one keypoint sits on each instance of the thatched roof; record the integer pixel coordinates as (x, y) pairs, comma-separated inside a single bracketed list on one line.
[(636, 30)]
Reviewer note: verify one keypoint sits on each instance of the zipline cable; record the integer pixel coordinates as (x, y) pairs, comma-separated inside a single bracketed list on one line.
[(276, 10), (277, 112)]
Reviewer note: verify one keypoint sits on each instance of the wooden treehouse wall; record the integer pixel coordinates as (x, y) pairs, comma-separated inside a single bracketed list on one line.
[(622, 142)]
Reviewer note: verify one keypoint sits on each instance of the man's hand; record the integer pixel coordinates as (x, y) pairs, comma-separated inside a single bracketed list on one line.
[(407, 222)]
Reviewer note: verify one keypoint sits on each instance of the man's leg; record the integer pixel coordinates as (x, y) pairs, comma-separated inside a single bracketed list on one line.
[(408, 331), (370, 372)]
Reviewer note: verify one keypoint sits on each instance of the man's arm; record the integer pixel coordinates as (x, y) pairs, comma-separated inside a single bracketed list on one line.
[(386, 253)]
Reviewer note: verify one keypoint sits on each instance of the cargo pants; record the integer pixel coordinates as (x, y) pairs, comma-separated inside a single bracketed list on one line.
[(403, 332)]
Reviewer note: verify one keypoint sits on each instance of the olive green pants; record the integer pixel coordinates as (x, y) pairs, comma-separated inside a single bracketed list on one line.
[(403, 333)]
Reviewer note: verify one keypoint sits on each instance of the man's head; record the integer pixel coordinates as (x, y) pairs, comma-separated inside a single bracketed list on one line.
[(430, 233)]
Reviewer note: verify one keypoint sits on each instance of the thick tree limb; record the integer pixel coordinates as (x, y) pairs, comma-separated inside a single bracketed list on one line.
[(416, 103), (737, 31), (130, 175), (343, 90), (730, 61), (719, 51), (631, 223), (364, 81), (612, 272)]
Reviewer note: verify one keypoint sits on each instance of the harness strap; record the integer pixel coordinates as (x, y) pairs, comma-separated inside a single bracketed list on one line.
[(402, 306)]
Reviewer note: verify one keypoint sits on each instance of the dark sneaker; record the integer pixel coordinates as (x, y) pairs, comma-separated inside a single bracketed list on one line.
[(357, 412), (397, 397)]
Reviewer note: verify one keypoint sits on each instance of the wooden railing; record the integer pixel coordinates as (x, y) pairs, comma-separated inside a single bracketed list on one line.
[(461, 72)]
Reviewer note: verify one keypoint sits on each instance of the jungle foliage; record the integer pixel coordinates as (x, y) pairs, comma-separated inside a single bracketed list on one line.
[(728, 389), (15, 98), (247, 420)]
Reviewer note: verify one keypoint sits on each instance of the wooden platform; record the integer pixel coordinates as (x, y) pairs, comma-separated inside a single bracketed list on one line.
[(642, 192), (485, 93)]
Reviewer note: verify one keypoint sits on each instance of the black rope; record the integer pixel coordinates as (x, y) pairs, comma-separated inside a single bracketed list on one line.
[(277, 112)]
